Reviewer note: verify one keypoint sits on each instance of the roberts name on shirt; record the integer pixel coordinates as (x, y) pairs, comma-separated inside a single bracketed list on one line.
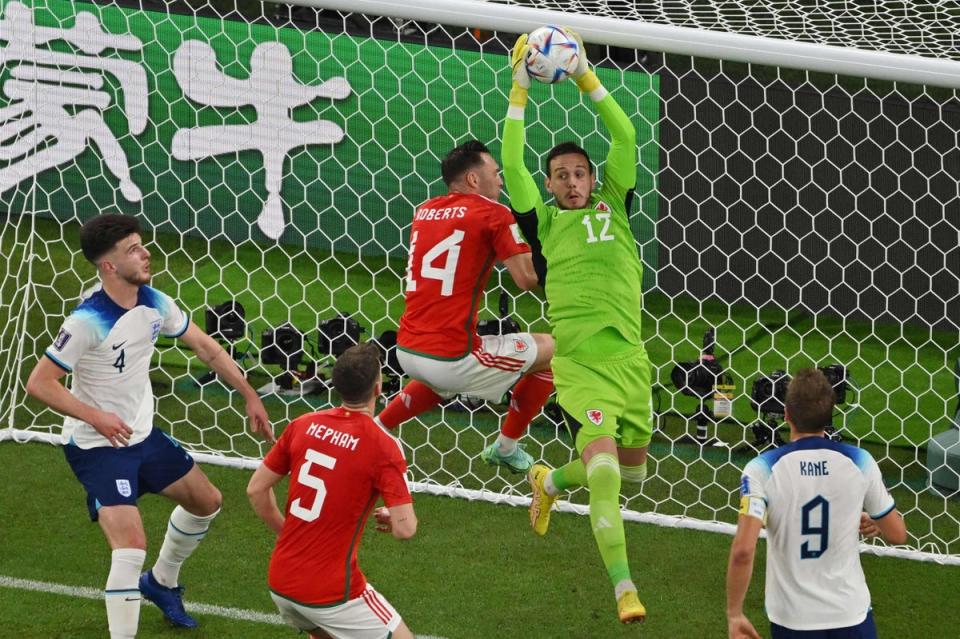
[(335, 437), (449, 213), (814, 469)]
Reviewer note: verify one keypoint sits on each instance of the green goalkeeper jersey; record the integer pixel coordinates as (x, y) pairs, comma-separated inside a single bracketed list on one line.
[(595, 272)]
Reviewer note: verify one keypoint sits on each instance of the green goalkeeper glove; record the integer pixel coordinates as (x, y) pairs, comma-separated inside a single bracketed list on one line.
[(584, 76), (521, 79)]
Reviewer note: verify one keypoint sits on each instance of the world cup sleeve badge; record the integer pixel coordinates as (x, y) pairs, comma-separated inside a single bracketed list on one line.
[(62, 338)]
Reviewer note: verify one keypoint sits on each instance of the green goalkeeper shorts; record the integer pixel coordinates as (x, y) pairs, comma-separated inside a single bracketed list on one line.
[(608, 396)]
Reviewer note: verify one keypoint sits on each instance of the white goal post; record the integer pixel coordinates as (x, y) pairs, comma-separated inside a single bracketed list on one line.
[(665, 38), (798, 199)]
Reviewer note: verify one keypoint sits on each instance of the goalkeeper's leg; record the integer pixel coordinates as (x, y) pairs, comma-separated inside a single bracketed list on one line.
[(546, 484), (603, 479)]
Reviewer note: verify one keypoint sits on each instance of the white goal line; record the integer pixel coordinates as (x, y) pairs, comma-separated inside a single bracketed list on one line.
[(667, 521), (82, 592)]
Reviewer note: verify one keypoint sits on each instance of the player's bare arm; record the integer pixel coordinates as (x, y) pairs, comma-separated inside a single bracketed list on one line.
[(401, 521), (739, 571), (262, 498), (892, 528), (520, 267), (212, 354), (45, 384)]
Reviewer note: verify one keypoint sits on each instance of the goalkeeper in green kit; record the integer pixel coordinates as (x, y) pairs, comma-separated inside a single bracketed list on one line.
[(601, 369)]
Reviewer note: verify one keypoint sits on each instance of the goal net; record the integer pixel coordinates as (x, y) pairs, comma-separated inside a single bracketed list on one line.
[(275, 153)]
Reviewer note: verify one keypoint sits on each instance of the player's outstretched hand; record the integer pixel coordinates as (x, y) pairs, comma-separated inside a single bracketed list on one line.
[(741, 628), (384, 523), (518, 62), (113, 428), (868, 527), (583, 65), (259, 422)]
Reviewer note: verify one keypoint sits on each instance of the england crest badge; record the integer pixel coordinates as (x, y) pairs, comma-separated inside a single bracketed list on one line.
[(155, 330), (123, 487)]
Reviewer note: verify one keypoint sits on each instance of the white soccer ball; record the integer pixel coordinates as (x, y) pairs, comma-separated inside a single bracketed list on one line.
[(553, 54)]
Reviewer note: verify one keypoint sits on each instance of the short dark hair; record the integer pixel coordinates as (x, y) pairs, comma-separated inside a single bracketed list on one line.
[(100, 234), (565, 148), (809, 401), (461, 159), (356, 373)]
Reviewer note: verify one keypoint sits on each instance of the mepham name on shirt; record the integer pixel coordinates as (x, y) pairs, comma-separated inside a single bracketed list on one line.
[(335, 437)]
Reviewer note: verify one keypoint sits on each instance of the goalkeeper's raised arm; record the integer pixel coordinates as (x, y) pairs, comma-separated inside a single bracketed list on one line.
[(620, 171), (525, 199), (522, 190)]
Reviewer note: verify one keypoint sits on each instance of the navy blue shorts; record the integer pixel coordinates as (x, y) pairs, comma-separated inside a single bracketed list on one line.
[(118, 476), (863, 630)]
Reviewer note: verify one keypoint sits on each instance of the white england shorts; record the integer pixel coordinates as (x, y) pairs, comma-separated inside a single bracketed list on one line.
[(488, 372), (369, 616)]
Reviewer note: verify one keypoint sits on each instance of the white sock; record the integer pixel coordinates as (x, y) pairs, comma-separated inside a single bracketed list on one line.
[(506, 445), (184, 532), (122, 594), (622, 587), (549, 486)]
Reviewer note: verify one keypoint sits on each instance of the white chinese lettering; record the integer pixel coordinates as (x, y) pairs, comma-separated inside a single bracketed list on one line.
[(56, 99), (273, 91)]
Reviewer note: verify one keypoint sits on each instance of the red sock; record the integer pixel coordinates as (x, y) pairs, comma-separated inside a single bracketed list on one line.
[(415, 398), (529, 396)]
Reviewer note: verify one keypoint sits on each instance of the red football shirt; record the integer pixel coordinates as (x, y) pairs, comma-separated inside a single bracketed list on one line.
[(339, 463), (454, 241)]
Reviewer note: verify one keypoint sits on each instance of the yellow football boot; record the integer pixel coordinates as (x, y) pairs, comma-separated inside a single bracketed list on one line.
[(540, 502), (630, 609)]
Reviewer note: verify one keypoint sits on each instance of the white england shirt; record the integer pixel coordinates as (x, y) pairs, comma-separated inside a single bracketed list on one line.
[(812, 492), (107, 348)]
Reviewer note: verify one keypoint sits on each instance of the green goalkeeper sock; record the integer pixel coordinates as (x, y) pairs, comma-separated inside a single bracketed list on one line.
[(603, 479), (566, 477)]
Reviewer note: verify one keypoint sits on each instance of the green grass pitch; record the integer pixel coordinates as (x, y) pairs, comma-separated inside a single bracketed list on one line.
[(473, 571), (904, 373)]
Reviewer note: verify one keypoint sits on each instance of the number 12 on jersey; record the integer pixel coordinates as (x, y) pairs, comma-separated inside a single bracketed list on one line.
[(450, 246), (602, 220)]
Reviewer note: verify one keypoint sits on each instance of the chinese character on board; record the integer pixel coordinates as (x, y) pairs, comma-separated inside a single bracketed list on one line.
[(273, 92), (56, 100)]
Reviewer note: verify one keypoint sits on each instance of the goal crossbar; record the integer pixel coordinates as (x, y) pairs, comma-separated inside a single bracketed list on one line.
[(877, 65)]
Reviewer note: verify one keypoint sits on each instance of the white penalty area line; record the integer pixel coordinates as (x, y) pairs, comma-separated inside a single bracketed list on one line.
[(238, 614)]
